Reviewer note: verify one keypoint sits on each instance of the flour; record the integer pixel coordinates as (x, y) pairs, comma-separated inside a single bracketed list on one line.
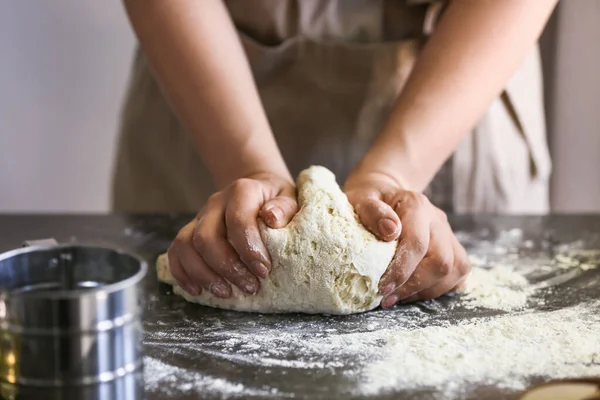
[(505, 351), (584, 259), (499, 288), (173, 380), (505, 286)]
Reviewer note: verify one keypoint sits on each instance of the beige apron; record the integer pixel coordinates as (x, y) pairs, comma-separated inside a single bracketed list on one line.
[(328, 72)]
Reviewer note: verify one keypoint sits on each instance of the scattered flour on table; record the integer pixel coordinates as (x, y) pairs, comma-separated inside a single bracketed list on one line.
[(390, 352), (502, 351), (505, 286), (499, 287), (450, 358), (175, 380), (570, 257), (158, 373)]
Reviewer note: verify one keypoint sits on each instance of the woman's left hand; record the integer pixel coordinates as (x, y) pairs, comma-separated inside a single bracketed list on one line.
[(429, 260)]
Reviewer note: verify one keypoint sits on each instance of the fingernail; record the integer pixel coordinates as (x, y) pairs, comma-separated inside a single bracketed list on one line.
[(220, 289), (276, 213), (191, 289), (389, 301), (260, 269), (387, 227), (388, 289), (250, 286)]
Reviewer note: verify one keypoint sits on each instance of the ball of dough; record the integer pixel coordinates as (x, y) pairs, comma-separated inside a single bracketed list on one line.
[(323, 262)]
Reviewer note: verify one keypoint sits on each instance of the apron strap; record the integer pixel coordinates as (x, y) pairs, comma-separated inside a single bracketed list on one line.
[(435, 8)]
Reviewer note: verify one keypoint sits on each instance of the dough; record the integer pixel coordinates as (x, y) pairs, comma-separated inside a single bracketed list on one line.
[(323, 262)]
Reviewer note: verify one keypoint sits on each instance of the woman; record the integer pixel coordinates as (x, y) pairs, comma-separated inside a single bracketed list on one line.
[(397, 98)]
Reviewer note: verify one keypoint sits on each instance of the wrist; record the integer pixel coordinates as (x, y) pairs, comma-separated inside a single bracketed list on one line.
[(229, 173), (409, 156), (252, 155), (394, 164), (255, 163)]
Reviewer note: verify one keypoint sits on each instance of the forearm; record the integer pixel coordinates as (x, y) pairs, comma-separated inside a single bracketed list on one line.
[(196, 56), (474, 50)]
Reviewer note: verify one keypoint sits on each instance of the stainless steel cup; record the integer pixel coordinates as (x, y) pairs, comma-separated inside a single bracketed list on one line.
[(71, 323)]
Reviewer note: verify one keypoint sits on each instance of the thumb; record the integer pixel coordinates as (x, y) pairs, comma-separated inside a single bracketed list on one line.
[(377, 216), (279, 211)]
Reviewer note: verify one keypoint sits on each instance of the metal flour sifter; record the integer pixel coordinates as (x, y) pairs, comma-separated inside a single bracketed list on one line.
[(71, 323)]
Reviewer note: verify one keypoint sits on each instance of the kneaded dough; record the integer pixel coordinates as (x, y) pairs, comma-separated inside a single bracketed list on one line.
[(323, 262)]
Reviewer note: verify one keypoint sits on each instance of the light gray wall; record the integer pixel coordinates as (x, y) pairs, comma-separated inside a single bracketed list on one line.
[(63, 69), (573, 82), (64, 66)]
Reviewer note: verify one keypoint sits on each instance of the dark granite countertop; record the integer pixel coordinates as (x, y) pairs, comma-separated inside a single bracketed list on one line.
[(186, 344)]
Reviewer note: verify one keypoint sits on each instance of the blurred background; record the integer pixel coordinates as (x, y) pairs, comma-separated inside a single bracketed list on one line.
[(64, 66)]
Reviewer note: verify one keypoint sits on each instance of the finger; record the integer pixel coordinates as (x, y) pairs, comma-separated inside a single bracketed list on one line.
[(440, 288), (460, 270), (461, 258), (201, 274), (462, 263), (378, 217), (279, 211), (242, 229), (209, 241), (460, 286), (175, 267), (412, 246), (434, 267)]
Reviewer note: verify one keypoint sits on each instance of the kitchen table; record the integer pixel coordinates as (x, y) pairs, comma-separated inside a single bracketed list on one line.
[(193, 352)]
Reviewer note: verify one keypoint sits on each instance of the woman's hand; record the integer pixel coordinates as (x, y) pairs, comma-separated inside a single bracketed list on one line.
[(223, 243), (429, 260)]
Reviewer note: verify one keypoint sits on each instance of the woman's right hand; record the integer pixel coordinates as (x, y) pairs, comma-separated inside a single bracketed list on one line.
[(222, 245)]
